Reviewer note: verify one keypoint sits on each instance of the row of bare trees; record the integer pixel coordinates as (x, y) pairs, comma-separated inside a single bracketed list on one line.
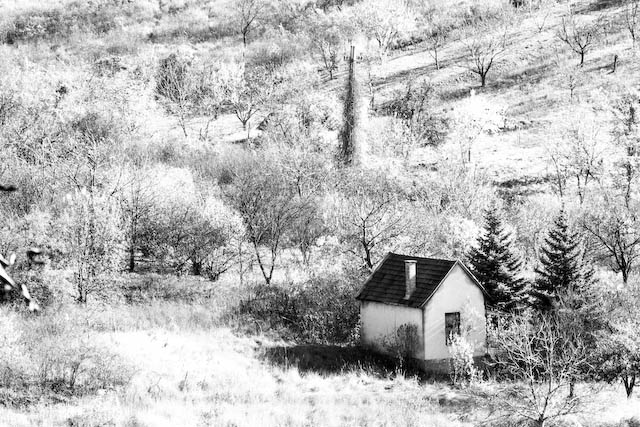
[(485, 41)]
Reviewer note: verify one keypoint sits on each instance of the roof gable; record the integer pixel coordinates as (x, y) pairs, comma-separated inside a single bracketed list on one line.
[(387, 283)]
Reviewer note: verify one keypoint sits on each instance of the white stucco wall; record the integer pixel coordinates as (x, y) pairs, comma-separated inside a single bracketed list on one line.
[(457, 293), (379, 320)]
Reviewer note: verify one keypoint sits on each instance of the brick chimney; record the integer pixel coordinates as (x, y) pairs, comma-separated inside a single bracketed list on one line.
[(409, 277)]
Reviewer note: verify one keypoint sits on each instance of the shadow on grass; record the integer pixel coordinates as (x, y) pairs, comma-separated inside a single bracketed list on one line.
[(334, 359), (530, 75), (599, 5), (427, 70)]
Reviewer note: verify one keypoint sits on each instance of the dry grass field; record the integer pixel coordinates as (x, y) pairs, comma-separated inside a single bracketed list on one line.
[(185, 368)]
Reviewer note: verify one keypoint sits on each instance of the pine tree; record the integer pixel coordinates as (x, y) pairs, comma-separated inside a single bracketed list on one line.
[(561, 269), (496, 266)]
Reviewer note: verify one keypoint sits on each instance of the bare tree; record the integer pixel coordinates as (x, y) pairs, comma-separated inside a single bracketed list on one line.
[(93, 237), (137, 205), (616, 232), (416, 106), (541, 22), (579, 37), (266, 201), (249, 92), (484, 49), (208, 96), (543, 357), (579, 156), (626, 135), (383, 22), (632, 20), (474, 117), (173, 83), (306, 173), (327, 35), (571, 76), (369, 215), (85, 162), (189, 90), (437, 37), (196, 234), (619, 347), (248, 11)]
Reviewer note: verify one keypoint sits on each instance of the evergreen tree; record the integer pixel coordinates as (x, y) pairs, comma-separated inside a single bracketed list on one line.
[(496, 266), (354, 112), (561, 270)]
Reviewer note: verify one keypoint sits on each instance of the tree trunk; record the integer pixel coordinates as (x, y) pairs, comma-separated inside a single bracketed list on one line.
[(183, 126), (367, 257), (483, 79), (132, 258), (196, 268), (572, 388), (267, 276), (629, 382), (240, 266)]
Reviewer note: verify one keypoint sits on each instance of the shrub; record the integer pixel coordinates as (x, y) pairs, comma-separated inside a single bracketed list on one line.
[(38, 288), (631, 422), (462, 369), (92, 237), (44, 24), (66, 358), (12, 363), (156, 287), (414, 106), (193, 24), (318, 311), (403, 344), (329, 311), (172, 77), (279, 49), (54, 353)]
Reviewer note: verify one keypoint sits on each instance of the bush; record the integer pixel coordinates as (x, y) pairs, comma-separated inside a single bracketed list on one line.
[(278, 50), (150, 287), (12, 363), (45, 24), (38, 288), (172, 78), (319, 311), (66, 358), (414, 106), (403, 344), (462, 369), (54, 353), (193, 24)]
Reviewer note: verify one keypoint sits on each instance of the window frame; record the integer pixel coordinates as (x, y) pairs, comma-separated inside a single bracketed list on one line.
[(451, 328)]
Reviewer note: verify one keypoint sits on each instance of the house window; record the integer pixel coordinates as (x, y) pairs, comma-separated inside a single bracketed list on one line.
[(451, 326)]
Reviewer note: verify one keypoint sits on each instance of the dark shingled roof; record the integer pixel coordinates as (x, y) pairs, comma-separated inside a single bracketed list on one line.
[(387, 283)]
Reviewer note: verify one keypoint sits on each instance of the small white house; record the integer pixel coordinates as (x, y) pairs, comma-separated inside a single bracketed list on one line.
[(437, 297)]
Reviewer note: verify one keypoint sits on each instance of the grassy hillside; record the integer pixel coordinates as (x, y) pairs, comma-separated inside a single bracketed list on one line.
[(529, 83), (180, 163)]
